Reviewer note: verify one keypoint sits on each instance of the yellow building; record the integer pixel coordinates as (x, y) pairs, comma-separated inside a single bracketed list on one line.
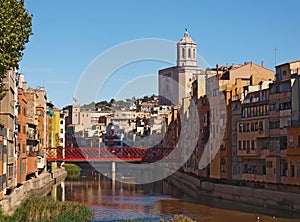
[(56, 127)]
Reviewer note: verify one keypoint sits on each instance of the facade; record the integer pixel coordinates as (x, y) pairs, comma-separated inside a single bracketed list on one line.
[(22, 136), (62, 128), (253, 135), (32, 141), (293, 155), (56, 127), (8, 115), (284, 113), (222, 89)]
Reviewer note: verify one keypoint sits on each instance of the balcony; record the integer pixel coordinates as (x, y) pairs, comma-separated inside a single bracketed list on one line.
[(31, 135), (264, 153), (254, 177), (248, 152)]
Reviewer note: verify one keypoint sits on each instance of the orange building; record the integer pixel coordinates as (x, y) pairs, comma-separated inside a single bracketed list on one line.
[(22, 137), (32, 140)]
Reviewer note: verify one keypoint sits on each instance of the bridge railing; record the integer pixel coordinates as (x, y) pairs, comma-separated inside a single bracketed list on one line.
[(108, 154)]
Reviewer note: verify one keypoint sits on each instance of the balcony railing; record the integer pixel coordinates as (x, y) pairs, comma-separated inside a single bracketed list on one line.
[(254, 177)]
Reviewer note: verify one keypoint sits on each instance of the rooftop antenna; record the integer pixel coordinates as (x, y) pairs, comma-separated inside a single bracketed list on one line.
[(275, 53)]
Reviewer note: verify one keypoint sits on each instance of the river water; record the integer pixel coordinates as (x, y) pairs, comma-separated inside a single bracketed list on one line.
[(116, 201)]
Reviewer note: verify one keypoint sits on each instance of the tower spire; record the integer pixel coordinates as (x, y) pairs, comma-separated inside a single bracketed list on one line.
[(186, 51)]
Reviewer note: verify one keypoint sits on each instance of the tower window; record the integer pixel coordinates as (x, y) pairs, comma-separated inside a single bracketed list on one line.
[(189, 53), (194, 53), (183, 53)]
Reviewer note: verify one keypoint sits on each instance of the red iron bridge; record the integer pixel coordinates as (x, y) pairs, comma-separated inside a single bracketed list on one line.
[(129, 154)]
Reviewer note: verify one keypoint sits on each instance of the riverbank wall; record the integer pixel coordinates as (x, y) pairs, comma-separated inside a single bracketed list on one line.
[(264, 198), (36, 186)]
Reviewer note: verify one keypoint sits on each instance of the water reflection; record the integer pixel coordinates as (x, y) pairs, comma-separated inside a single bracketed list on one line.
[(111, 201)]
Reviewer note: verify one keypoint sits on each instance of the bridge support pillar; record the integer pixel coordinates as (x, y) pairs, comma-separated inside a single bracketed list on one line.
[(113, 176), (63, 188)]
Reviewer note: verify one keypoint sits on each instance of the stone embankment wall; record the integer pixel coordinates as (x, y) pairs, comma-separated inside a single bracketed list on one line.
[(36, 186), (253, 196)]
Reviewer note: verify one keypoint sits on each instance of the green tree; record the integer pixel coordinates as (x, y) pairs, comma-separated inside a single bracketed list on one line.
[(15, 29)]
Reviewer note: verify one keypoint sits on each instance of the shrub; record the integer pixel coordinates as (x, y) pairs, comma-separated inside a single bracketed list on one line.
[(45, 209)]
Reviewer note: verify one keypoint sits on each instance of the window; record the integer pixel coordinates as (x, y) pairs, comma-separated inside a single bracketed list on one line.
[(298, 169), (183, 53), (223, 165), (269, 164), (255, 111), (194, 53), (266, 109), (261, 126), (292, 169), (240, 145), (216, 92), (252, 145), (244, 127), (61, 122), (274, 124), (240, 127), (61, 131), (189, 53), (252, 126), (283, 168), (248, 146), (298, 141), (285, 105), (283, 143), (222, 147), (243, 113), (248, 127), (244, 145), (291, 141), (256, 126)]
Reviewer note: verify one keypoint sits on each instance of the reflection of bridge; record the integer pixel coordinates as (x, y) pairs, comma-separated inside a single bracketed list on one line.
[(128, 154)]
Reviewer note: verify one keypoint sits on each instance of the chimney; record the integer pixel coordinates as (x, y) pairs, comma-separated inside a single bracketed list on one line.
[(262, 64)]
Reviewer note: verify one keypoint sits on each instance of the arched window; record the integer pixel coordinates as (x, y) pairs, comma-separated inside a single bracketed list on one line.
[(189, 53), (183, 53), (194, 53)]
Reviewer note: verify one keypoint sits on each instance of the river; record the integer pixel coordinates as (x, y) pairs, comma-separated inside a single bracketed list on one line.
[(111, 201)]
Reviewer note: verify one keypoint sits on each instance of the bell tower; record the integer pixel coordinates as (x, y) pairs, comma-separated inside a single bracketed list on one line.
[(186, 51)]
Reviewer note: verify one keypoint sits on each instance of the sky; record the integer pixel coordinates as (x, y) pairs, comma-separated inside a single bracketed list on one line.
[(70, 35)]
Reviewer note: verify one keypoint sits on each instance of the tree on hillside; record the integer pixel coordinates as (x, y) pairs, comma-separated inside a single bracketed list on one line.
[(15, 29)]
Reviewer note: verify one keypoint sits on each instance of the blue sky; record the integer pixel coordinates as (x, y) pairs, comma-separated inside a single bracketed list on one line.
[(69, 35)]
